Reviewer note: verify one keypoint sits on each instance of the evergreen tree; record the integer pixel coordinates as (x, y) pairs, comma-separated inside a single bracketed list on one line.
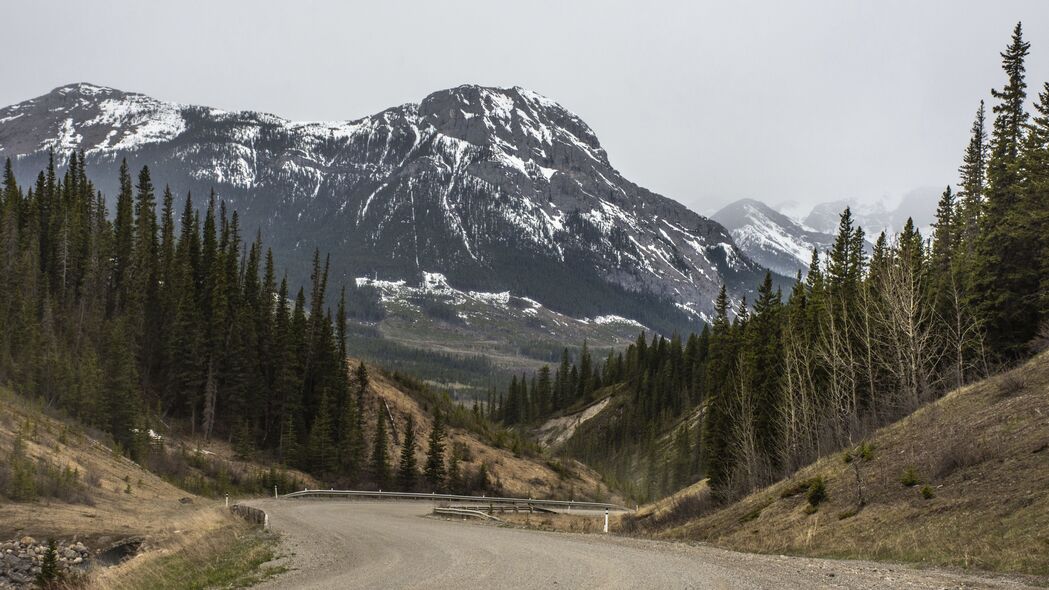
[(973, 181), (435, 469), (407, 471), (1004, 282), (380, 463)]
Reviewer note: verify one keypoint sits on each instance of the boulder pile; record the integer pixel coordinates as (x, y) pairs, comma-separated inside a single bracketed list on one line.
[(20, 560)]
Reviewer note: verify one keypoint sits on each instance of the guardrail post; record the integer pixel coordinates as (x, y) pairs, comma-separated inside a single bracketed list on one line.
[(266, 521), (227, 500), (606, 520), (274, 492)]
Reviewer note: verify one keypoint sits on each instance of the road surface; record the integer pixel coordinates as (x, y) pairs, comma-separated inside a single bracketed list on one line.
[(348, 544)]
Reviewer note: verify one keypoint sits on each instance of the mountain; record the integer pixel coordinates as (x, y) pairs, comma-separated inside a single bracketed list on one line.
[(770, 238), (874, 217), (495, 189)]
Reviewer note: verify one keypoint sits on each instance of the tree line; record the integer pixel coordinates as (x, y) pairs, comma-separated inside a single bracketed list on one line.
[(870, 334)]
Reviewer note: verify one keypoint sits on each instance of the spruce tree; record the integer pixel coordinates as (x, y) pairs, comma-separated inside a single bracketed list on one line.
[(973, 175), (1035, 164), (407, 471), (1005, 283), (380, 463), (435, 469)]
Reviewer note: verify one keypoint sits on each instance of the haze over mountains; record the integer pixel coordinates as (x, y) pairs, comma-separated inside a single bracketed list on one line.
[(781, 237)]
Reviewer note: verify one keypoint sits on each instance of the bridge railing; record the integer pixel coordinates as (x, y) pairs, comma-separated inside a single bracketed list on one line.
[(501, 500)]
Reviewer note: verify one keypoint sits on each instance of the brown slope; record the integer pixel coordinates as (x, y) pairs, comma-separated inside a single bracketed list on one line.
[(983, 452)]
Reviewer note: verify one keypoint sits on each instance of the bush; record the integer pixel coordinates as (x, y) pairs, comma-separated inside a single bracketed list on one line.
[(909, 477), (796, 488), (958, 456), (23, 479), (927, 492), (817, 493), (1011, 384)]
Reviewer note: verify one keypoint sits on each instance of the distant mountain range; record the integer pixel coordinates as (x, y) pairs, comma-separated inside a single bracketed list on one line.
[(771, 238), (500, 192), (496, 190), (782, 241)]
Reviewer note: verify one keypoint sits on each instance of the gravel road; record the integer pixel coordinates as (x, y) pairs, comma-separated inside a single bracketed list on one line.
[(336, 544)]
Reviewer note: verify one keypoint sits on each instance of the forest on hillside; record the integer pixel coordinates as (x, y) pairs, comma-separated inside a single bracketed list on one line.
[(151, 317), (862, 340), (157, 320)]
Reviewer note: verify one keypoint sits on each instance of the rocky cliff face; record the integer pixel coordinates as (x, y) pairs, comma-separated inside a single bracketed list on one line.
[(770, 238), (497, 189)]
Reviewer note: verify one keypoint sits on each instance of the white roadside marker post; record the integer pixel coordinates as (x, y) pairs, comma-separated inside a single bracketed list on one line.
[(227, 500), (606, 520), (274, 492)]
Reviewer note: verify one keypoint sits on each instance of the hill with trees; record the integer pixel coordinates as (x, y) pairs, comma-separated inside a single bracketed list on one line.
[(861, 341)]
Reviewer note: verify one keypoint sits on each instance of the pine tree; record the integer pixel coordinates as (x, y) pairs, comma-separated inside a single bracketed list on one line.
[(716, 420), (124, 241), (435, 469), (1004, 282), (320, 450), (407, 471), (380, 463), (973, 173), (1035, 164)]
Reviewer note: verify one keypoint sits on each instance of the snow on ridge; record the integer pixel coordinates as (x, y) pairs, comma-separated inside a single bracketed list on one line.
[(615, 319), (143, 119)]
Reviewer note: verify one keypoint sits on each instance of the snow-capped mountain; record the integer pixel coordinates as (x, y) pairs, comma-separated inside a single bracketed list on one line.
[(874, 217), (496, 189), (770, 238)]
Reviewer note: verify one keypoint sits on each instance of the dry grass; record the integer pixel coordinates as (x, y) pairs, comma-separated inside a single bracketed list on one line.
[(213, 550), (517, 475), (124, 500), (983, 452), (565, 523), (110, 511)]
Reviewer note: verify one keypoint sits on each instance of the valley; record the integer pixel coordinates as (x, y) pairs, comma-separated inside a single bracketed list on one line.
[(457, 343)]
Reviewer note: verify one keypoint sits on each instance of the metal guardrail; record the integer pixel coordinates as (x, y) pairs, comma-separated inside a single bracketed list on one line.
[(566, 504), (465, 512)]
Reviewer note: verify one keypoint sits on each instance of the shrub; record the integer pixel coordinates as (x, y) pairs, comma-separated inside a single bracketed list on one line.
[(1011, 384), (927, 492), (909, 477), (817, 493), (958, 456), (866, 451), (798, 487)]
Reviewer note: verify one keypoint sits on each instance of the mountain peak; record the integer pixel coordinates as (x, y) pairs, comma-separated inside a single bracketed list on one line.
[(85, 89), (519, 121)]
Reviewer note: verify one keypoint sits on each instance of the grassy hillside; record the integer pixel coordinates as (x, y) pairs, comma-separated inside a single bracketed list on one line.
[(61, 480), (639, 469), (512, 467), (961, 482)]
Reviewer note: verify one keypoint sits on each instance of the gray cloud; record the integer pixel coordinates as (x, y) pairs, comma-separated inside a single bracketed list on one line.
[(705, 102)]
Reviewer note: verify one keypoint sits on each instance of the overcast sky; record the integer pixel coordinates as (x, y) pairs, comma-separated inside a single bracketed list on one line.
[(704, 102)]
